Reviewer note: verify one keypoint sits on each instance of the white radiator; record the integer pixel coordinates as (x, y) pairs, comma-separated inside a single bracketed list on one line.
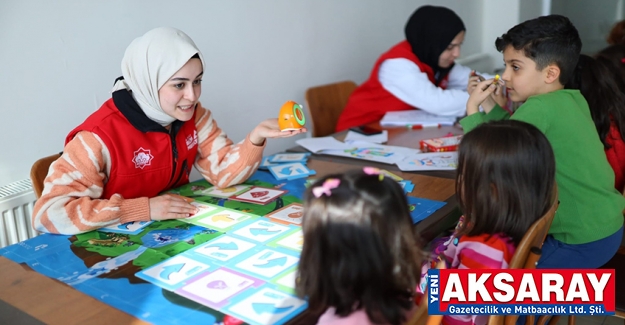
[(16, 205)]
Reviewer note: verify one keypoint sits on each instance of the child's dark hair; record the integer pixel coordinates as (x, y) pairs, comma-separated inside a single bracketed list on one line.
[(617, 33), (360, 250), (603, 87), (546, 40), (616, 55), (505, 178)]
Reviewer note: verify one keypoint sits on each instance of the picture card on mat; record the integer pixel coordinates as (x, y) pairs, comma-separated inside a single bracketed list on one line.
[(225, 192), (266, 306), (265, 163), (259, 195), (289, 157), (132, 228), (216, 288), (291, 213), (291, 171), (220, 219), (174, 272)]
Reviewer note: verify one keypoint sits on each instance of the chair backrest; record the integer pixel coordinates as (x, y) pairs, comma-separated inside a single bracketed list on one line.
[(528, 250), (421, 316), (39, 171), (527, 254), (325, 104)]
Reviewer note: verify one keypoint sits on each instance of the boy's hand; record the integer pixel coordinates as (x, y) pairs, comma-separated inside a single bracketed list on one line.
[(474, 79), (498, 96), (479, 94)]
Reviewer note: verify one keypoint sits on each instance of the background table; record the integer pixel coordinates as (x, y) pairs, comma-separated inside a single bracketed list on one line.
[(397, 136)]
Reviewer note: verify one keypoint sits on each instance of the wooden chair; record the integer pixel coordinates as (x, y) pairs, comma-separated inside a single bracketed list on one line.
[(325, 104), (421, 317), (618, 264), (526, 256), (39, 171)]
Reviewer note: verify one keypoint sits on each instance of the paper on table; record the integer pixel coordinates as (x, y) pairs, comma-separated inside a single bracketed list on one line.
[(373, 152), (430, 161), (375, 138), (415, 117), (323, 143)]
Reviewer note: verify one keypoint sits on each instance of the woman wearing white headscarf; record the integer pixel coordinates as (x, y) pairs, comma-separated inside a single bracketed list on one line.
[(143, 141)]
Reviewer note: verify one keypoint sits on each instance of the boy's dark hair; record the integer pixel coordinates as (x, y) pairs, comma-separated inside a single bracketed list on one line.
[(505, 178), (360, 250), (603, 86), (546, 40)]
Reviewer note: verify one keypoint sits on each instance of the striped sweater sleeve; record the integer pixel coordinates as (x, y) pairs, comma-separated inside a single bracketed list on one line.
[(70, 202), (220, 161), (478, 252)]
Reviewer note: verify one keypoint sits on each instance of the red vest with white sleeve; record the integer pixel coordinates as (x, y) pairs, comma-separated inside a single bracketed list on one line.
[(370, 101)]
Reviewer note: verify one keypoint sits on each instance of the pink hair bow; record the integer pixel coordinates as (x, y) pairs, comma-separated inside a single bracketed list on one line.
[(373, 171), (326, 188)]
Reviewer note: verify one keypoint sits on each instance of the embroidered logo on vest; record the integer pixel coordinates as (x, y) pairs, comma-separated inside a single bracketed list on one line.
[(191, 140), (444, 83), (142, 158)]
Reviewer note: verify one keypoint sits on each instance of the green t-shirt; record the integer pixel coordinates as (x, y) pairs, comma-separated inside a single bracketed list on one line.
[(590, 207)]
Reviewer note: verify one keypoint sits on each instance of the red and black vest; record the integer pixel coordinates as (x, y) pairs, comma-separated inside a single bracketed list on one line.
[(370, 101), (146, 158)]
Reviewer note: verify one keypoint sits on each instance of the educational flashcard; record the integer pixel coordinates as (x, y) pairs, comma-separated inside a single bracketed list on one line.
[(265, 163), (267, 263), (220, 219), (132, 228), (214, 289), (407, 186), (430, 161), (293, 241), (267, 306), (173, 273), (225, 192), (287, 280), (260, 230), (222, 248), (309, 182), (204, 209), (291, 213), (291, 171), (198, 189), (422, 208), (289, 157), (259, 195)]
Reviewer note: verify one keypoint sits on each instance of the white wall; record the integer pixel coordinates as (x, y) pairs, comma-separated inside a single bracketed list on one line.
[(593, 19), (498, 17), (58, 59), (529, 9)]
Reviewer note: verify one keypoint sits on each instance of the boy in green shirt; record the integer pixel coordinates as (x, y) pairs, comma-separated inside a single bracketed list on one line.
[(540, 57)]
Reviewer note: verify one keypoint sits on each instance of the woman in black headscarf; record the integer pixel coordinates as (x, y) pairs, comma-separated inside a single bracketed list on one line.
[(419, 72)]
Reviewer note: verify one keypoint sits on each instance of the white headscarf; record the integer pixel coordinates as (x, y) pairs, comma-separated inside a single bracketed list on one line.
[(149, 61)]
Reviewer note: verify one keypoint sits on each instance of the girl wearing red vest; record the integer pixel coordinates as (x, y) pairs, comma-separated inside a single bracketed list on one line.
[(143, 141), (419, 72), (601, 82)]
